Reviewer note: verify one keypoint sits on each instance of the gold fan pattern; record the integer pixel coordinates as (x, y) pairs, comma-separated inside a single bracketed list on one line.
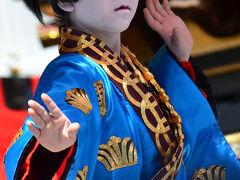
[(101, 96), (212, 173), (78, 98), (117, 153), (82, 175)]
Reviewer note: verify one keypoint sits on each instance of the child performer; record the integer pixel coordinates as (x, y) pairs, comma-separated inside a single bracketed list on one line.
[(129, 129)]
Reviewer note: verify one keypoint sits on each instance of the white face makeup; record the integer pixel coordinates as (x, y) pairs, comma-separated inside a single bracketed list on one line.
[(103, 16)]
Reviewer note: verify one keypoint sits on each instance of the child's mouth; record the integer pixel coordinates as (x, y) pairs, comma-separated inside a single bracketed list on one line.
[(122, 8)]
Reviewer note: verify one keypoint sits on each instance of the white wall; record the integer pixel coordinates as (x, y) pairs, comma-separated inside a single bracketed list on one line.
[(19, 42)]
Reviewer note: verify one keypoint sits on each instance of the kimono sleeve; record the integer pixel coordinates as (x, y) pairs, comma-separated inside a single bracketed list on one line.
[(161, 63), (71, 85), (204, 143)]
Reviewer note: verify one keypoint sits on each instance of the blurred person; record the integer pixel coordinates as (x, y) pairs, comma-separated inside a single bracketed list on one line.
[(129, 129)]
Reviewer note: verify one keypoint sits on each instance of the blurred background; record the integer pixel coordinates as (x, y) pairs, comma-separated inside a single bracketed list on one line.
[(27, 47)]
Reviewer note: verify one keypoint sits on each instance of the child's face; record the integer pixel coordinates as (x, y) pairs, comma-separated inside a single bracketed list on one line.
[(103, 16)]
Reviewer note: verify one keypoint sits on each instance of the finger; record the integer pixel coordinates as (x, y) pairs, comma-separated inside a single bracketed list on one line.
[(72, 130), (155, 14), (159, 8), (35, 131), (150, 6), (40, 110), (36, 118), (156, 26), (167, 7), (52, 107)]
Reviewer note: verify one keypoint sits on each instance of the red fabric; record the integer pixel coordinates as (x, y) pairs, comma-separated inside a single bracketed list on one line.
[(60, 171), (188, 67), (25, 169), (204, 93)]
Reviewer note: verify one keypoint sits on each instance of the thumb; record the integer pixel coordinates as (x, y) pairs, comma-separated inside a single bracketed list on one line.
[(72, 130)]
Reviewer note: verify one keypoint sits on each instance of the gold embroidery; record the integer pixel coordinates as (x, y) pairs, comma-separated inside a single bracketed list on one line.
[(117, 153), (173, 166), (101, 96), (82, 175), (78, 98), (212, 173), (17, 135)]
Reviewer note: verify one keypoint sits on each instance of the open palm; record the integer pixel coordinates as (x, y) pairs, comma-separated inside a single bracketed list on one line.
[(170, 27), (55, 132)]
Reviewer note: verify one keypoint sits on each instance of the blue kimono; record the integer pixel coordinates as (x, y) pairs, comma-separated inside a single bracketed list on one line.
[(114, 141)]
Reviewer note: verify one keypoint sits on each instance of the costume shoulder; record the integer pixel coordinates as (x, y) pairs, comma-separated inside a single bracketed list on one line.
[(71, 74), (74, 82)]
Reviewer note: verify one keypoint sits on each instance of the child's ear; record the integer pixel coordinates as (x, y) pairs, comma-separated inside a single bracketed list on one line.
[(66, 6)]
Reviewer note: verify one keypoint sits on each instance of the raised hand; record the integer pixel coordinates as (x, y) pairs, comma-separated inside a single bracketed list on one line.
[(170, 27), (55, 132)]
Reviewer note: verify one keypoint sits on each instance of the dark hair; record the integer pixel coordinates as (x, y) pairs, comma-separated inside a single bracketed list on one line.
[(62, 17)]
